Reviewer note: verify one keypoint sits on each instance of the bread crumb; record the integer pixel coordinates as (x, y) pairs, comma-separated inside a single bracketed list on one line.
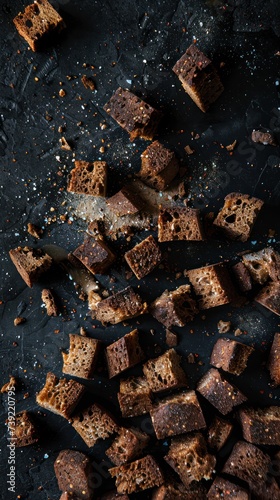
[(224, 326), (19, 320), (49, 301), (189, 150), (88, 82), (11, 385), (62, 93), (237, 332), (64, 144), (34, 230), (231, 147)]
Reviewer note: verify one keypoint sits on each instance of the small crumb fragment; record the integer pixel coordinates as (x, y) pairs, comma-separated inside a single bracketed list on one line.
[(34, 230), (191, 358), (237, 332), (62, 93), (64, 144), (19, 320), (265, 138), (171, 338), (224, 326), (49, 301), (11, 385), (88, 82), (189, 150), (83, 332), (231, 147)]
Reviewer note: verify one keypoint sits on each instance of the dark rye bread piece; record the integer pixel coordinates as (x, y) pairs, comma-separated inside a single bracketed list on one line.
[(125, 202), (250, 464), (88, 178), (175, 490), (242, 277), (175, 307), (31, 263), (219, 392), (218, 433), (230, 355), (94, 423), (50, 302), (38, 24), (263, 265), (226, 490), (60, 396), (124, 353), (266, 138), (189, 457), (82, 357), (127, 446), (212, 285), (74, 474), (261, 426), (165, 372), (121, 306), (274, 359), (144, 257), (95, 255), (24, 432), (238, 216), (159, 166), (199, 77), (139, 475), (177, 414), (269, 297), (135, 116), (135, 397), (179, 223)]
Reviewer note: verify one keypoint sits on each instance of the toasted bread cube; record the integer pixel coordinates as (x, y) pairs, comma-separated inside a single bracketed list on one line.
[(179, 223), (189, 457), (144, 257), (199, 77), (31, 263), (38, 24), (135, 116), (135, 397), (269, 297), (177, 414), (242, 277), (137, 476), (95, 255), (24, 432), (49, 300), (274, 359), (219, 392), (60, 396), (74, 472), (218, 433), (230, 355), (82, 357), (94, 423), (88, 178), (175, 307), (165, 372), (222, 488), (176, 490), (121, 306), (127, 446), (238, 216), (159, 166), (261, 426), (212, 285), (263, 265), (124, 353), (125, 202)]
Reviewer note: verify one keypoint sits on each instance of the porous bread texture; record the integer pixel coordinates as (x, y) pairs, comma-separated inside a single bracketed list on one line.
[(82, 356), (238, 215), (60, 396), (88, 178), (94, 423), (165, 372), (179, 223), (137, 476)]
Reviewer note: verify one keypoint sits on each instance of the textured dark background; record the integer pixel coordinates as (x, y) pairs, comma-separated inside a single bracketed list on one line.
[(133, 44)]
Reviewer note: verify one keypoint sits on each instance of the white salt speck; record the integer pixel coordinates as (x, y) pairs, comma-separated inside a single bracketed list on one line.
[(46, 456), (277, 83), (144, 61), (129, 82)]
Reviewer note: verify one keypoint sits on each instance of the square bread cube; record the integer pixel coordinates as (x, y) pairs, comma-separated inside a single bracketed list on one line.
[(218, 433), (120, 306), (212, 285), (144, 257), (135, 397), (159, 166), (230, 355), (173, 489), (274, 359), (137, 476), (135, 116), (219, 392), (263, 265), (238, 216), (261, 426), (88, 178), (95, 255), (269, 297), (82, 357), (124, 353), (74, 472), (31, 263), (125, 202), (222, 488), (60, 396), (242, 277), (24, 432), (189, 457), (165, 372), (177, 414), (38, 24), (199, 77), (94, 423), (175, 307), (127, 446), (179, 223)]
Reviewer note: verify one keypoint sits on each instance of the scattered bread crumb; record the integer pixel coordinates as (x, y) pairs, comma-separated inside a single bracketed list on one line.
[(237, 332), (64, 144), (34, 230), (231, 147), (19, 320), (88, 82), (224, 326), (12, 384), (49, 301)]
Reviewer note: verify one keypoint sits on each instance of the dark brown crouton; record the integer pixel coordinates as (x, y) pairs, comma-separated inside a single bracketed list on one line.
[(137, 476), (24, 431), (127, 446), (159, 166), (135, 397), (60, 396), (124, 353), (230, 355), (226, 490), (88, 178), (73, 472), (175, 490), (144, 257), (94, 423), (82, 357), (263, 265), (242, 277), (31, 263), (274, 359), (179, 223), (218, 433), (121, 306), (125, 202), (269, 297), (165, 372), (175, 307), (261, 426), (212, 285), (95, 255)]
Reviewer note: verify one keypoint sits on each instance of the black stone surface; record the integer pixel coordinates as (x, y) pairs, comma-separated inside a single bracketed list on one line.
[(135, 45)]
